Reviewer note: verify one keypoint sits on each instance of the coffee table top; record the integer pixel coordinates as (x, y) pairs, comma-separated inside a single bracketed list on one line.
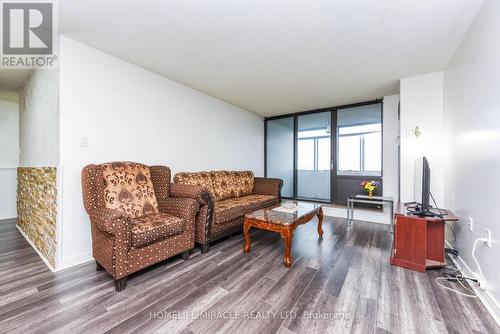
[(282, 215)]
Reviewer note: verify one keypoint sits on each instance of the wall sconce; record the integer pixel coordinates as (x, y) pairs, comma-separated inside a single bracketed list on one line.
[(417, 132)]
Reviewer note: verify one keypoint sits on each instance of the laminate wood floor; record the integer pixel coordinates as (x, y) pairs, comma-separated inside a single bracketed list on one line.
[(342, 284)]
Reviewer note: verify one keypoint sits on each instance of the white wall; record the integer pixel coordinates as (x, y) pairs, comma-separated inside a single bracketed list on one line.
[(422, 106), (39, 120), (390, 146), (129, 113), (9, 153), (472, 122)]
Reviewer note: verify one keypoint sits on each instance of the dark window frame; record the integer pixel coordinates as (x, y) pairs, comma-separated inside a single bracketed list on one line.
[(333, 140)]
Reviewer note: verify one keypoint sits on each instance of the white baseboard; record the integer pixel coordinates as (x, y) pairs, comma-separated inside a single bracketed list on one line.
[(74, 261), (36, 249), (8, 216), (486, 298)]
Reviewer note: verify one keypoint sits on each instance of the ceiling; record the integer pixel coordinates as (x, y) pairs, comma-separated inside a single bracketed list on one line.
[(276, 57), (13, 79)]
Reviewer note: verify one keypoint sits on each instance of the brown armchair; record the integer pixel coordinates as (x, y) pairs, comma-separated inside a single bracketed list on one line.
[(135, 220)]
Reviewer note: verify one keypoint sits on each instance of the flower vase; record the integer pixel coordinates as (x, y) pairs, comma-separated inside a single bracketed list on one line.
[(370, 193)]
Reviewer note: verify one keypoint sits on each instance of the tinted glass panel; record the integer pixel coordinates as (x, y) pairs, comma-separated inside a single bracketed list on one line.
[(314, 156), (359, 140), (280, 152)]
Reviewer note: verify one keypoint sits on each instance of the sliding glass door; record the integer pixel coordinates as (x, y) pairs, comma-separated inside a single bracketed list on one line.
[(279, 152), (314, 156), (324, 155)]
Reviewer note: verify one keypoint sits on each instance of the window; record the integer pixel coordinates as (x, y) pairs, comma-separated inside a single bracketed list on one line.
[(299, 151), (360, 149), (349, 153), (323, 154), (314, 150), (306, 159)]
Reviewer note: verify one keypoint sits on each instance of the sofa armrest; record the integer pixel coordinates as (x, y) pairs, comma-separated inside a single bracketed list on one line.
[(205, 199), (185, 208), (109, 220), (198, 193), (267, 186)]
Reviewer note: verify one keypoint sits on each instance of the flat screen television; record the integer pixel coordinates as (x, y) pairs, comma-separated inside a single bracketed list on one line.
[(422, 187)]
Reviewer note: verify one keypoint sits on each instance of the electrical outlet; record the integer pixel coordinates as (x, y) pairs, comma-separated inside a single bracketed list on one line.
[(470, 224), (480, 283)]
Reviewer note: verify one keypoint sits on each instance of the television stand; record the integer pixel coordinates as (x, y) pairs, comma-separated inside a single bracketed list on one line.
[(415, 209), (419, 240)]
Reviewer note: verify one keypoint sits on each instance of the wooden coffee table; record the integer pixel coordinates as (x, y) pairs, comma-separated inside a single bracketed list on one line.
[(283, 221)]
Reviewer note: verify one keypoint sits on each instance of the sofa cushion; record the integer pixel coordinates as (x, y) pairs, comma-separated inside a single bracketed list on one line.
[(243, 182), (224, 185), (152, 228), (232, 208), (230, 184), (203, 179), (128, 188)]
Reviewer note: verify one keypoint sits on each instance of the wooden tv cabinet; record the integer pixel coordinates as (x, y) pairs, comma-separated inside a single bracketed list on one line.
[(419, 241)]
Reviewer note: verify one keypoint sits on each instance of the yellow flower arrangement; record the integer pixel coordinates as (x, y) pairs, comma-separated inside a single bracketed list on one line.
[(370, 186)]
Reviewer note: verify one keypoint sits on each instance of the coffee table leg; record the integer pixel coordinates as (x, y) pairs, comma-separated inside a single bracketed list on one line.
[(320, 223), (287, 256), (246, 232)]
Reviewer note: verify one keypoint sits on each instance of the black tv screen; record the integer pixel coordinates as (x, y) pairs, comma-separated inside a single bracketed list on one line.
[(422, 184)]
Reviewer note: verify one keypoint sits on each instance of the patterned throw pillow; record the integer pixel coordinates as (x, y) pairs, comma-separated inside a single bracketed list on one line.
[(202, 179), (224, 185), (243, 183), (129, 188)]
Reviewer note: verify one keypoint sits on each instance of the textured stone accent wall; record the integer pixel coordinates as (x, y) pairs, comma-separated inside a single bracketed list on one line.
[(37, 208)]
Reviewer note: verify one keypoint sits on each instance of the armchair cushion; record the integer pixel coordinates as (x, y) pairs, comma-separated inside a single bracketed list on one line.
[(152, 228), (232, 208), (128, 188)]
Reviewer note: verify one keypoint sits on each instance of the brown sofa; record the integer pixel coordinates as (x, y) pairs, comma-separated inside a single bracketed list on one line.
[(135, 219), (224, 199)]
